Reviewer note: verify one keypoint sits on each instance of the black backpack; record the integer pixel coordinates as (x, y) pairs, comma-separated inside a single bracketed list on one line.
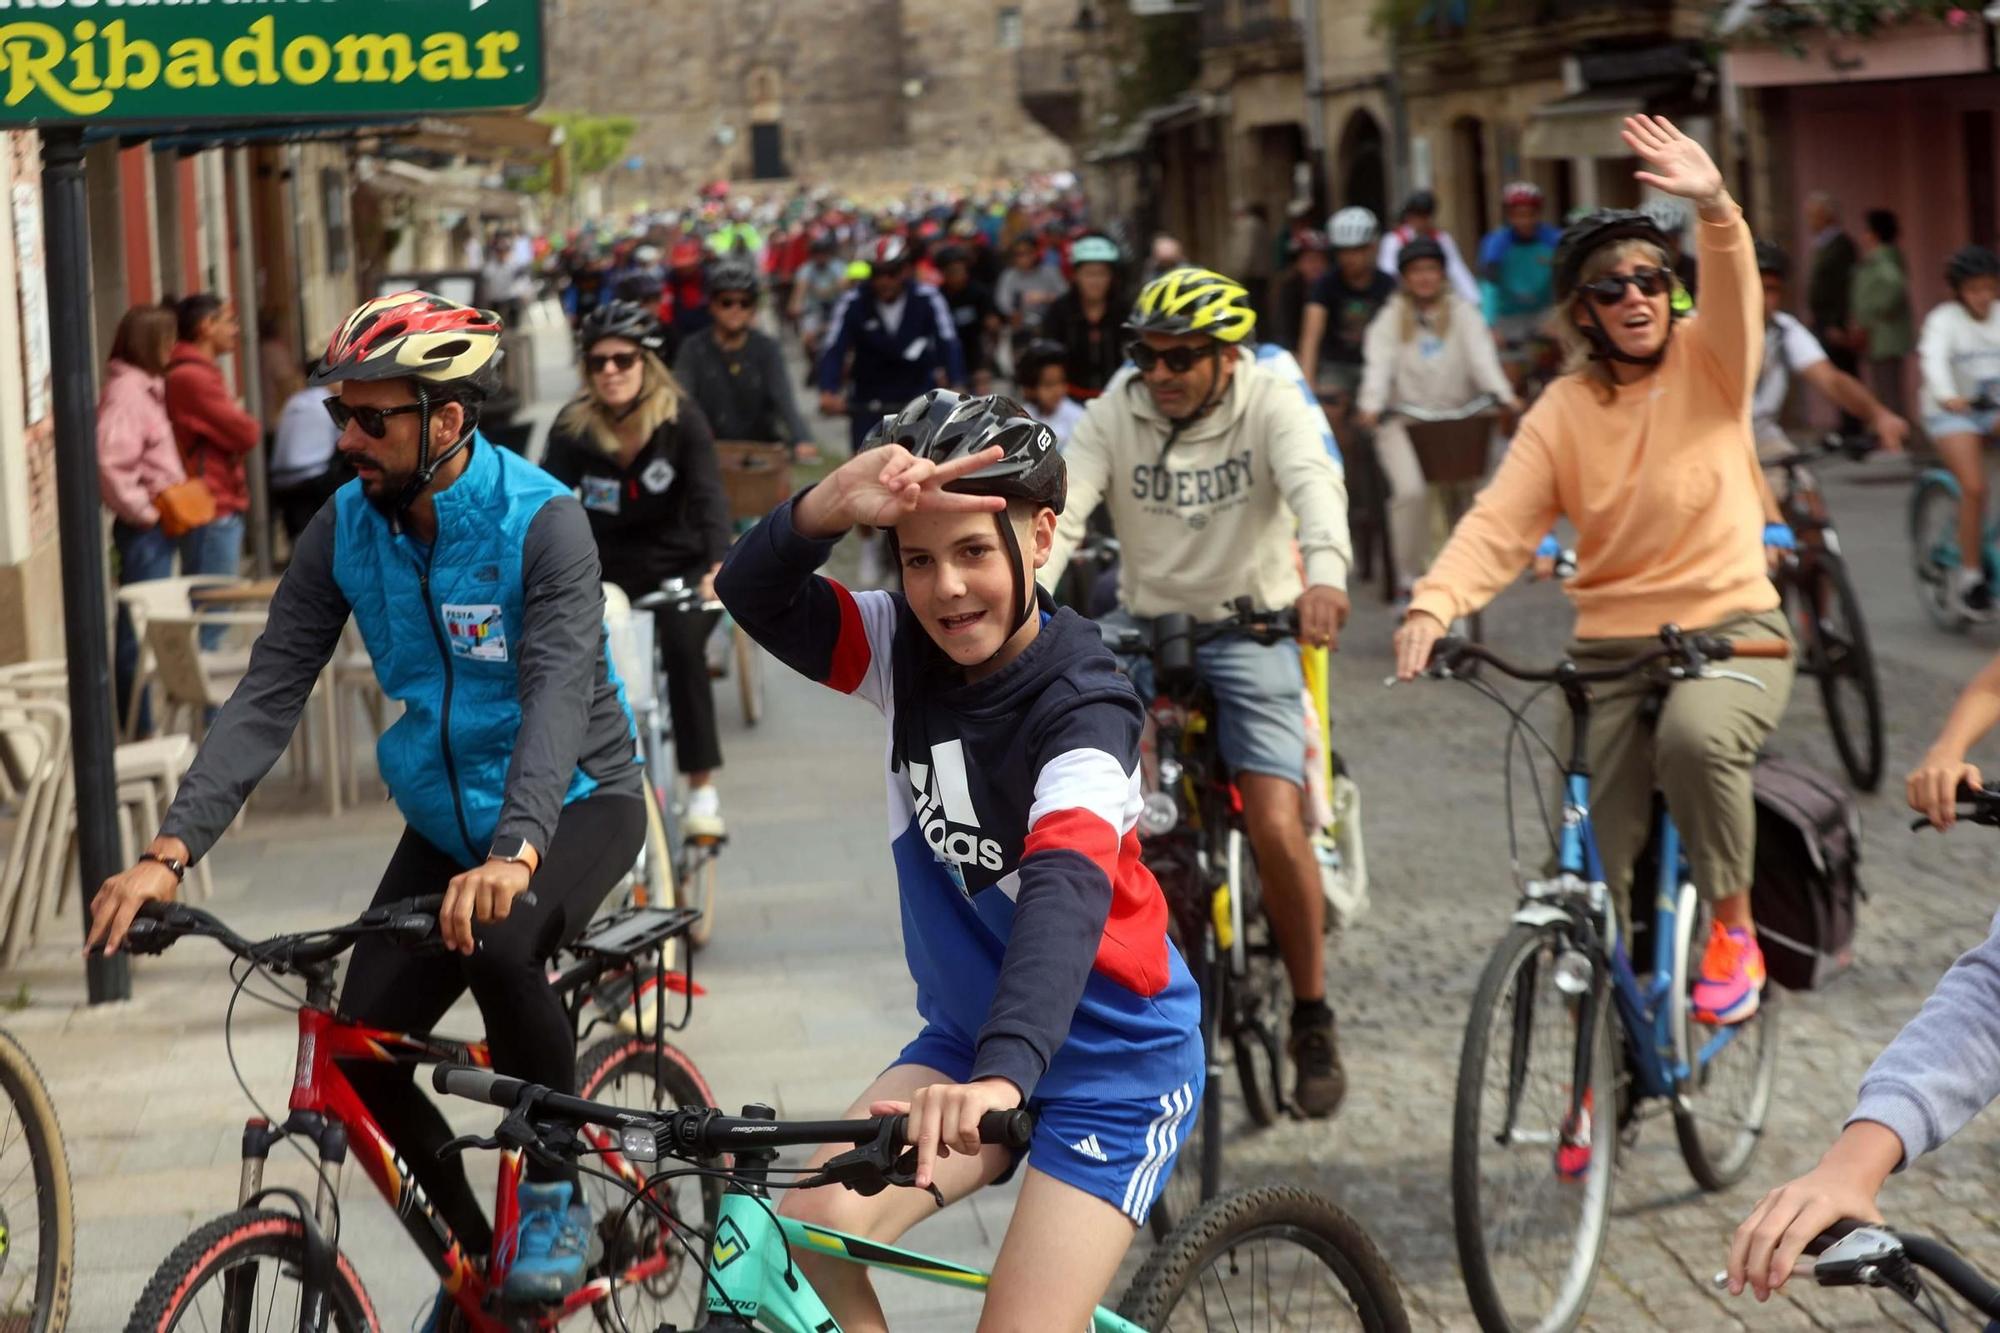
[(1807, 873)]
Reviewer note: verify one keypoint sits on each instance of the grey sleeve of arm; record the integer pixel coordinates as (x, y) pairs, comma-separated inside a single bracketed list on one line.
[(307, 614), (1944, 1066), (780, 379), (562, 637)]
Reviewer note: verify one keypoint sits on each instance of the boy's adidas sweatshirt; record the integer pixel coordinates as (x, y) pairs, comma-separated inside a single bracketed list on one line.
[(1033, 931)]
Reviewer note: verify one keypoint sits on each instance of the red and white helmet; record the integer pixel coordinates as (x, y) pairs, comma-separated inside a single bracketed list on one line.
[(1521, 192), (891, 251), (413, 335)]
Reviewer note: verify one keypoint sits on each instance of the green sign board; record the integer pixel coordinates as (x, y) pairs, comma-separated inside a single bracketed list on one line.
[(111, 61)]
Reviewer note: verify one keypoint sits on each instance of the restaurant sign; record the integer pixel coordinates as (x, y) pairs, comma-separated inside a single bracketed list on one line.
[(192, 61)]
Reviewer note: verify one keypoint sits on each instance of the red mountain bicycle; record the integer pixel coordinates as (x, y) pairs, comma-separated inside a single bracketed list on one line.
[(278, 1257)]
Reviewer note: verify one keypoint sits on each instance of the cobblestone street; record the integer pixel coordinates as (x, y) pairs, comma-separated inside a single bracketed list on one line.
[(807, 995)]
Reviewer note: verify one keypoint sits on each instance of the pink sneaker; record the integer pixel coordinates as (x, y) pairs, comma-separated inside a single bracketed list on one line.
[(1731, 981)]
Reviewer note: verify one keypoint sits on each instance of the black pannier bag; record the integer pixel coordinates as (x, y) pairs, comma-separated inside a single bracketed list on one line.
[(1808, 876)]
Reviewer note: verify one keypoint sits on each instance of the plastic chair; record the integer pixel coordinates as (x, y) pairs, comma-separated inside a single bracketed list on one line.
[(37, 729), (167, 597)]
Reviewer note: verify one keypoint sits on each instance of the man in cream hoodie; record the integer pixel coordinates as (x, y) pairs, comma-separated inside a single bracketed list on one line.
[(1212, 465)]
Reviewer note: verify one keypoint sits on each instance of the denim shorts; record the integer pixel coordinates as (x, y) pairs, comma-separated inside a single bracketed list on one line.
[(1259, 700), (1942, 423)]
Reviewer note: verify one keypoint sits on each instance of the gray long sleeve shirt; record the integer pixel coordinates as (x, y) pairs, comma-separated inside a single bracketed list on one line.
[(1944, 1066)]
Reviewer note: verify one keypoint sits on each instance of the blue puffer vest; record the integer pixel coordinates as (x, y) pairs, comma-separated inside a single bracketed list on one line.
[(444, 626)]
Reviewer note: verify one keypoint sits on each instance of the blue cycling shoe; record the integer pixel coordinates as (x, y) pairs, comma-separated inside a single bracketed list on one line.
[(550, 1245)]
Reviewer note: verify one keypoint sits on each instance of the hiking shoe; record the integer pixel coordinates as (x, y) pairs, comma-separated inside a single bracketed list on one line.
[(1573, 1144), (1322, 1083), (703, 816), (549, 1246), (1731, 981)]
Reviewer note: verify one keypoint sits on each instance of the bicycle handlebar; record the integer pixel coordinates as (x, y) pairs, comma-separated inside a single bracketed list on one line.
[(1266, 627), (1690, 651), (1852, 1253), (413, 920), (699, 1130), (1976, 805)]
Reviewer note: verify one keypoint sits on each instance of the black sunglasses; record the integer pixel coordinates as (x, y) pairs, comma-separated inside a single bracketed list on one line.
[(1609, 290), (734, 303), (374, 421), (1178, 360), (623, 360)]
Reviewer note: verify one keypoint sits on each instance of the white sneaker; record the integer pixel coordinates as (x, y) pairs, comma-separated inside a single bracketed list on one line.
[(1968, 595), (703, 816)]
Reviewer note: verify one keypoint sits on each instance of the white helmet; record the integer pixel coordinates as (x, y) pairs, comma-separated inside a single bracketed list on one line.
[(1350, 227)]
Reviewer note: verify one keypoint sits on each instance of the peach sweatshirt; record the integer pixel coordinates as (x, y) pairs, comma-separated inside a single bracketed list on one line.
[(1661, 483)]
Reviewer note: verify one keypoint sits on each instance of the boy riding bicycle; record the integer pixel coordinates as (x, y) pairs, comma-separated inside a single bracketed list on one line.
[(1037, 939)]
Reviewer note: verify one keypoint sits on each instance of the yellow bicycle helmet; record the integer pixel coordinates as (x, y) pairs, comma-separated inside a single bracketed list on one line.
[(1194, 300)]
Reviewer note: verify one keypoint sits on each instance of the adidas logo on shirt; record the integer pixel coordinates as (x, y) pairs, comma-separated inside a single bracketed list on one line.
[(944, 808), (1089, 1148)]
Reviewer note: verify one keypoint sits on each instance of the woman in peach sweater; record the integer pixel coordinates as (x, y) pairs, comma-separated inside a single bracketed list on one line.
[(1645, 444)]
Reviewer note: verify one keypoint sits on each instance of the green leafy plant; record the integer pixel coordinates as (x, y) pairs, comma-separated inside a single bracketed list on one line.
[(1788, 23), (590, 145)]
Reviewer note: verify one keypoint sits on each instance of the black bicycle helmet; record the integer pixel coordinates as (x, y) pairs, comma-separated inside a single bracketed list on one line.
[(1038, 355), (1771, 258), (1421, 248), (1585, 238), (951, 254), (1971, 261), (622, 319), (734, 274), (1422, 202)]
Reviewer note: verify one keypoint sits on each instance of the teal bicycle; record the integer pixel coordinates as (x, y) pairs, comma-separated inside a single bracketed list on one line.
[(1274, 1257)]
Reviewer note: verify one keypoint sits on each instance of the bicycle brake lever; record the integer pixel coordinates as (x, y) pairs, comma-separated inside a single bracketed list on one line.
[(1717, 673), (465, 1142)]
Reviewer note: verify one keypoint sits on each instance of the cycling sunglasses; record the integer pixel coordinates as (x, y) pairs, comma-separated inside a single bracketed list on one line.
[(623, 360), (734, 303), (1609, 290), (374, 421), (1178, 360)]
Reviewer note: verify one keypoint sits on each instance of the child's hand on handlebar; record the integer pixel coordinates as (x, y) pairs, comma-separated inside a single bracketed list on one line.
[(1414, 640), (1932, 787), (1786, 1220), (944, 1119)]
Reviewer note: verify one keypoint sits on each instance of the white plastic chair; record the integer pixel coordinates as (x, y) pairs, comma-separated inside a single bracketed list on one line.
[(167, 597)]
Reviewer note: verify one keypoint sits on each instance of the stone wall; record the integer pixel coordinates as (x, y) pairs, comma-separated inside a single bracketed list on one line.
[(866, 93)]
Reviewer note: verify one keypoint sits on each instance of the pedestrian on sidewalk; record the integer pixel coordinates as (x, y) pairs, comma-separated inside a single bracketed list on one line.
[(306, 467), (214, 433), (136, 462), (1829, 285), (1879, 302)]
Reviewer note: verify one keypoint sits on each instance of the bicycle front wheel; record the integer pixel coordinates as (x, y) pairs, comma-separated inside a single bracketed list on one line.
[(1273, 1257), (1530, 1190), (655, 1263), (37, 1229), (1934, 550), (242, 1271), (1848, 686), (749, 677)]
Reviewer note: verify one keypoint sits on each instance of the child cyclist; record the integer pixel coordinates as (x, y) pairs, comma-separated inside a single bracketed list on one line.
[(1037, 940), (1940, 1071)]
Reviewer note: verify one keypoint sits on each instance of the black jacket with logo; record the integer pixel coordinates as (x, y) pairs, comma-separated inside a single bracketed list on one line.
[(663, 517)]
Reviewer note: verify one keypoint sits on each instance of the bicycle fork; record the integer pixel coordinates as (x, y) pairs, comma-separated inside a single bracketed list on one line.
[(329, 1136)]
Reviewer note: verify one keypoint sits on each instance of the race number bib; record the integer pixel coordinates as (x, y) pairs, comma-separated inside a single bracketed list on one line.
[(477, 632), (601, 494)]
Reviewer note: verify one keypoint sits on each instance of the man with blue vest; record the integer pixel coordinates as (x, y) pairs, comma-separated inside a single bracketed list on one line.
[(474, 581)]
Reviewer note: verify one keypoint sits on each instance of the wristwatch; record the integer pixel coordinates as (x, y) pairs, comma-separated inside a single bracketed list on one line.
[(513, 849), (178, 866)]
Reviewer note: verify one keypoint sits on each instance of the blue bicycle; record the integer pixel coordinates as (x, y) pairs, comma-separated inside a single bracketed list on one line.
[(1934, 543), (1541, 1102)]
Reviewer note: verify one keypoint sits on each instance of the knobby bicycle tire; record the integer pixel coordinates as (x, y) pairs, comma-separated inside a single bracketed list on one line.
[(55, 1256), (1277, 1212), (679, 1083), (1468, 1215), (210, 1250), (1862, 756)]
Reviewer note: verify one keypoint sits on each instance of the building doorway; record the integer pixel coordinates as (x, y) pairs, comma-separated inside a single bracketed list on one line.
[(1469, 205), (1362, 166)]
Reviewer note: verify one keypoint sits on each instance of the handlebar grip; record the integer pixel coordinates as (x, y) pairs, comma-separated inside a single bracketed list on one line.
[(1007, 1129), (479, 1085), (1773, 648)]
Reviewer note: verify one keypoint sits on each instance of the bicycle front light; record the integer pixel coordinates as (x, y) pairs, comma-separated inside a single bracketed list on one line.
[(1158, 814), (1572, 975)]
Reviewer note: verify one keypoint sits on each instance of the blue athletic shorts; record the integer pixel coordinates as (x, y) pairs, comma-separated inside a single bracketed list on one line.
[(1119, 1151)]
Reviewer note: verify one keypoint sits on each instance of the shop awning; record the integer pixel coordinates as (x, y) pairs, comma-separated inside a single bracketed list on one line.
[(181, 138), (491, 138), (1586, 124), (407, 180)]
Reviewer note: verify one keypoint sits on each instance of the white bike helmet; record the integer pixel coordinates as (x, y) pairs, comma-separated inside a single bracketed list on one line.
[(1350, 227)]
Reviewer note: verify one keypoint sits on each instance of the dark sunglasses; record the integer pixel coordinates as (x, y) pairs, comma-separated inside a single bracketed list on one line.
[(623, 360), (1178, 360), (1609, 290), (374, 421), (734, 303)]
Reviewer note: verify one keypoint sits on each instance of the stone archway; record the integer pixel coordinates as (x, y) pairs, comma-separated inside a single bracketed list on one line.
[(1361, 165)]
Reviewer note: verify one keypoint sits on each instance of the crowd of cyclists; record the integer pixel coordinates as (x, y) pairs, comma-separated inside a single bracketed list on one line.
[(1139, 388)]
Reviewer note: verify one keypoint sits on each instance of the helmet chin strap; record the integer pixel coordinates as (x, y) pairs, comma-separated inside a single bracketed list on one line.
[(427, 466), (1604, 348)]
